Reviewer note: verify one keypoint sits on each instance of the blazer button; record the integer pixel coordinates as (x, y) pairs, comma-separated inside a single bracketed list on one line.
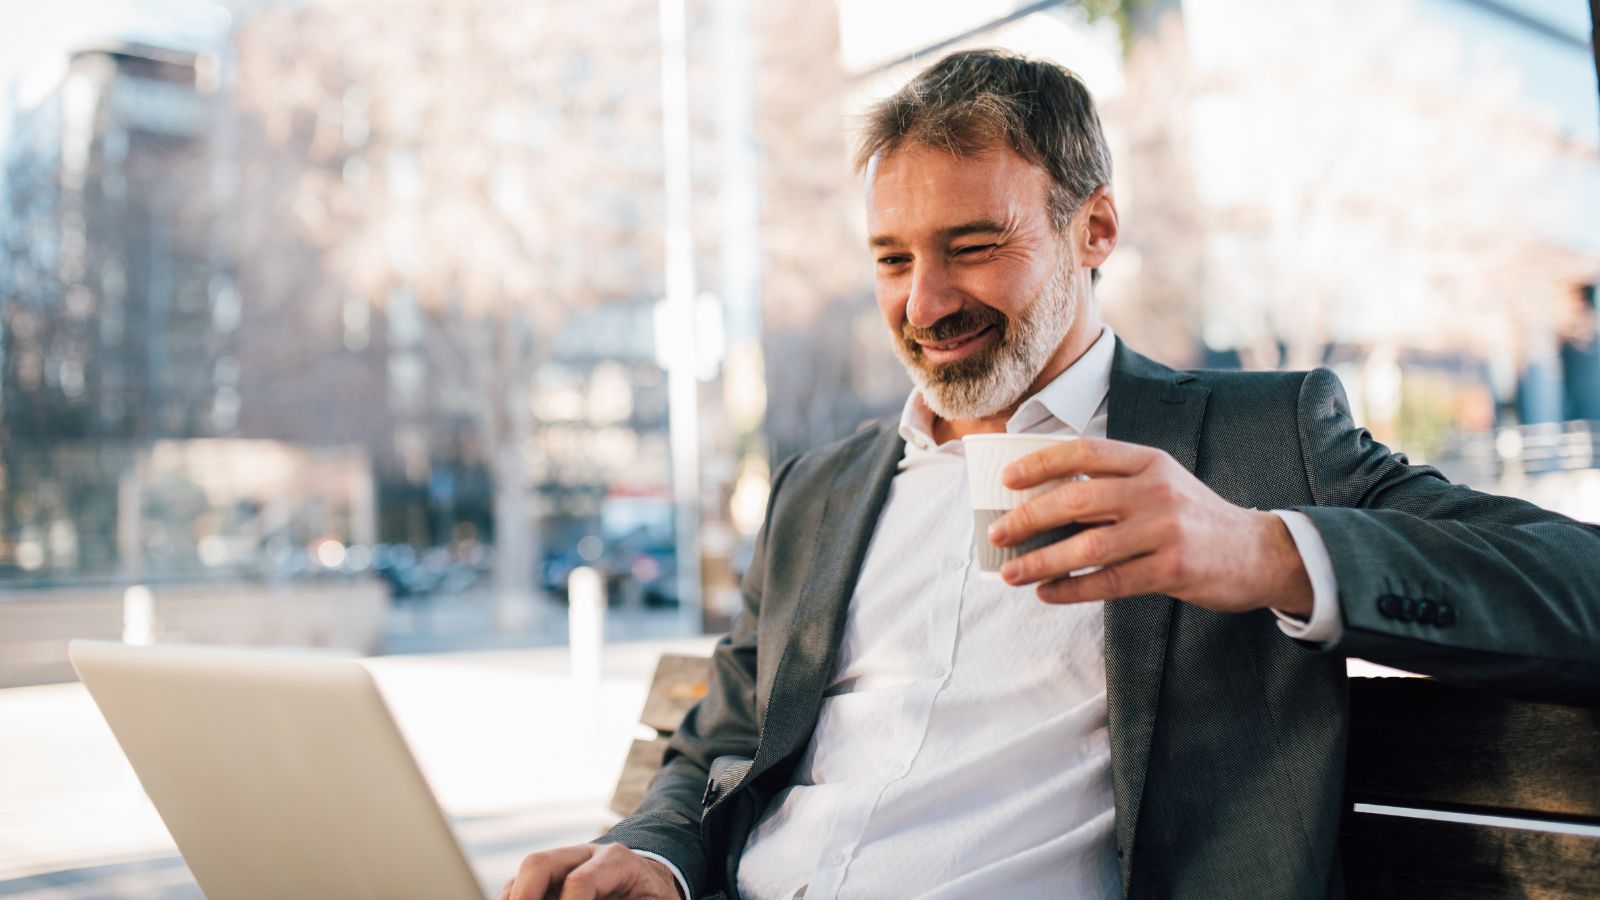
[(1427, 610), (1447, 615), (1408, 609), (1386, 605)]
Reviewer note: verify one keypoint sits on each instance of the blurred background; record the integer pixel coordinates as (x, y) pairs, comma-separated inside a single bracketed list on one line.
[(364, 323)]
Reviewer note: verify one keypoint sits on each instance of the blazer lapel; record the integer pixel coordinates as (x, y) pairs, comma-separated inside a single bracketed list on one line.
[(855, 499), (1153, 405)]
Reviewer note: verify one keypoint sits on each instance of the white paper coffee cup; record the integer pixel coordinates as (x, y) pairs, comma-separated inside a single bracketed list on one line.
[(987, 456)]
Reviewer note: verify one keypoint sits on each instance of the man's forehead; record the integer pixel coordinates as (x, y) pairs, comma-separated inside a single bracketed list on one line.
[(927, 188)]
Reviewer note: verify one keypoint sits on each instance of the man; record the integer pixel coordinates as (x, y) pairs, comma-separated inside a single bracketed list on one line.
[(881, 722)]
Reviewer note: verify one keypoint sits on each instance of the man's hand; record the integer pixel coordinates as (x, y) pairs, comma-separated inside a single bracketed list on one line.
[(589, 872), (1164, 532)]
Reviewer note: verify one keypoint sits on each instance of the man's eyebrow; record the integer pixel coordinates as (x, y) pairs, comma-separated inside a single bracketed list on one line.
[(979, 226)]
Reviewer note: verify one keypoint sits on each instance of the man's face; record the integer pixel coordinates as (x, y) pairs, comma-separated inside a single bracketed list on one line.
[(972, 278)]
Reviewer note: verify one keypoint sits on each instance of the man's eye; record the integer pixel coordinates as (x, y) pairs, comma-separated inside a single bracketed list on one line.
[(974, 248), (892, 260)]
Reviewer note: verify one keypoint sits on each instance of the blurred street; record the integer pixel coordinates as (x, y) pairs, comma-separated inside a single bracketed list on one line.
[(381, 328), (466, 621), (517, 757)]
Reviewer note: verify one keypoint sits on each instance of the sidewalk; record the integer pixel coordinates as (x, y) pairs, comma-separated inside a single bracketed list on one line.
[(518, 758)]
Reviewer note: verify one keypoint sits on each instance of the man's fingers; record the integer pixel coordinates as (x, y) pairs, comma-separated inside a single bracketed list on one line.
[(1094, 500), (545, 869), (601, 876), (613, 871), (1085, 456), (1142, 575), (1105, 546)]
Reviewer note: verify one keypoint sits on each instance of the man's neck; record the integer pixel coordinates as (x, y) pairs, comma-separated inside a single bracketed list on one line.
[(1079, 338)]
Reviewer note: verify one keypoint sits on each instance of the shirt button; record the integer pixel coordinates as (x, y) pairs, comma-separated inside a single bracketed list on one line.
[(836, 860), (935, 670), (954, 563)]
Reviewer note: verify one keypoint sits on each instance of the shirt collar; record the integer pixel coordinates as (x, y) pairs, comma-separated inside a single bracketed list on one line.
[(1070, 400)]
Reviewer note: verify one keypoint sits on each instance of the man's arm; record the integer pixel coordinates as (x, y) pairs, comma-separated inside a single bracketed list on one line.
[(1437, 578), (724, 723), (666, 826)]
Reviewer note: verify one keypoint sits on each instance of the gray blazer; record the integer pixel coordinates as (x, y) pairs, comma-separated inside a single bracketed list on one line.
[(1227, 737)]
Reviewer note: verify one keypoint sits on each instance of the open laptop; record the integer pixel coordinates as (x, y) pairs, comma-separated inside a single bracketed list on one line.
[(278, 774)]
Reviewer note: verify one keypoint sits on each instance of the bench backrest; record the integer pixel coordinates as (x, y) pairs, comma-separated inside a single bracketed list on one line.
[(1515, 787), (1512, 788)]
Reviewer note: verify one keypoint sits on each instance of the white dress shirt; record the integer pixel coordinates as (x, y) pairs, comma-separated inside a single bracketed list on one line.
[(961, 749)]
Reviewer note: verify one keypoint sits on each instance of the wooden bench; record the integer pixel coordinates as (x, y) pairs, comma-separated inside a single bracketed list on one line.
[(1517, 785), (1419, 745), (678, 684)]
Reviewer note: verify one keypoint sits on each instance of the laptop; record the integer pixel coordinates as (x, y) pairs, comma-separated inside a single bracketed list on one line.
[(278, 774)]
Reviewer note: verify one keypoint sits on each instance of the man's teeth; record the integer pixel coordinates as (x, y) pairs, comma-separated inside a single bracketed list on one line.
[(954, 344)]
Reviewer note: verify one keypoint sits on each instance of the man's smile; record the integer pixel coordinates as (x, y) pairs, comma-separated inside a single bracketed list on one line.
[(958, 348)]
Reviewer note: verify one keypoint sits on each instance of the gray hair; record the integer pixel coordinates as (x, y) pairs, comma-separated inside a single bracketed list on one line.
[(973, 100)]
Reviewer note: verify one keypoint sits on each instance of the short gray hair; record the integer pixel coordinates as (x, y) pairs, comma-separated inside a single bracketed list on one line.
[(973, 100)]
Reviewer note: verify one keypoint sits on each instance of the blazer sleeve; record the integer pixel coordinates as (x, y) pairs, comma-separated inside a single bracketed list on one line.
[(1436, 578), (723, 724)]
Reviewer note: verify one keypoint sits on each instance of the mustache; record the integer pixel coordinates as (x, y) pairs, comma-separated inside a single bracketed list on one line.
[(958, 323)]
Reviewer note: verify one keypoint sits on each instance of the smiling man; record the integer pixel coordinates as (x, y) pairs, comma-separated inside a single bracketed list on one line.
[(882, 722)]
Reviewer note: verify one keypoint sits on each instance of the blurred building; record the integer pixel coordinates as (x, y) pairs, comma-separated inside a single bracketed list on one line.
[(112, 302), (121, 331), (115, 327)]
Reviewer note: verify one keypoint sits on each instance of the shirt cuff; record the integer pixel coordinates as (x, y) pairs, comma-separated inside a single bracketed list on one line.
[(683, 886), (1326, 625)]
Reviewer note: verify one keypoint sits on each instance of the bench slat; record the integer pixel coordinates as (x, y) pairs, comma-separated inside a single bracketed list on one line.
[(1415, 742), (1389, 856), (642, 764), (679, 683)]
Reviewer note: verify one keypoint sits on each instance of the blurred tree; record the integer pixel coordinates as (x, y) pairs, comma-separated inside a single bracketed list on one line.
[(1355, 180), (1149, 291), (477, 172), (829, 366)]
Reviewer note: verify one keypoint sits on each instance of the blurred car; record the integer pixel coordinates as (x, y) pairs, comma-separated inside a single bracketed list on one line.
[(633, 563), (410, 575)]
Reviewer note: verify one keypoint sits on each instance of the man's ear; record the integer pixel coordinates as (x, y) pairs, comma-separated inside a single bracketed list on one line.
[(1095, 228)]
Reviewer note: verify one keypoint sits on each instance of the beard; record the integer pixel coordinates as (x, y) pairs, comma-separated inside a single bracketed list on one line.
[(995, 377)]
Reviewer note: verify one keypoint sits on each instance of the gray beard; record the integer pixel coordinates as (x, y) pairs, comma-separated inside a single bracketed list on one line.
[(1026, 345)]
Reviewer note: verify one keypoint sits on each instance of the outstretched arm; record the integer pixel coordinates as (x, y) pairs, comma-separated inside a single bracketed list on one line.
[(1436, 578), (1432, 577)]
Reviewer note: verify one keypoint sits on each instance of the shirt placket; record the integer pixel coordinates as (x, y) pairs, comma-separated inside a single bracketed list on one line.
[(953, 560)]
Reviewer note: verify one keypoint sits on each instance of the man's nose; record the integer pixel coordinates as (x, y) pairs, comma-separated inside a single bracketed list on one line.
[(933, 295)]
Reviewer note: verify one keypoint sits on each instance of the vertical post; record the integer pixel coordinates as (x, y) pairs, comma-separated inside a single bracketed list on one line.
[(130, 518), (683, 388), (138, 615), (586, 626), (743, 396)]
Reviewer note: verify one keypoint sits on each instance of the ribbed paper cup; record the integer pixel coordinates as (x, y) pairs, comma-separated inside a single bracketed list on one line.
[(987, 456)]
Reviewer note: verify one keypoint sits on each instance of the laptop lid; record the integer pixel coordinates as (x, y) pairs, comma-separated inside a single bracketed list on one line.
[(278, 774)]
